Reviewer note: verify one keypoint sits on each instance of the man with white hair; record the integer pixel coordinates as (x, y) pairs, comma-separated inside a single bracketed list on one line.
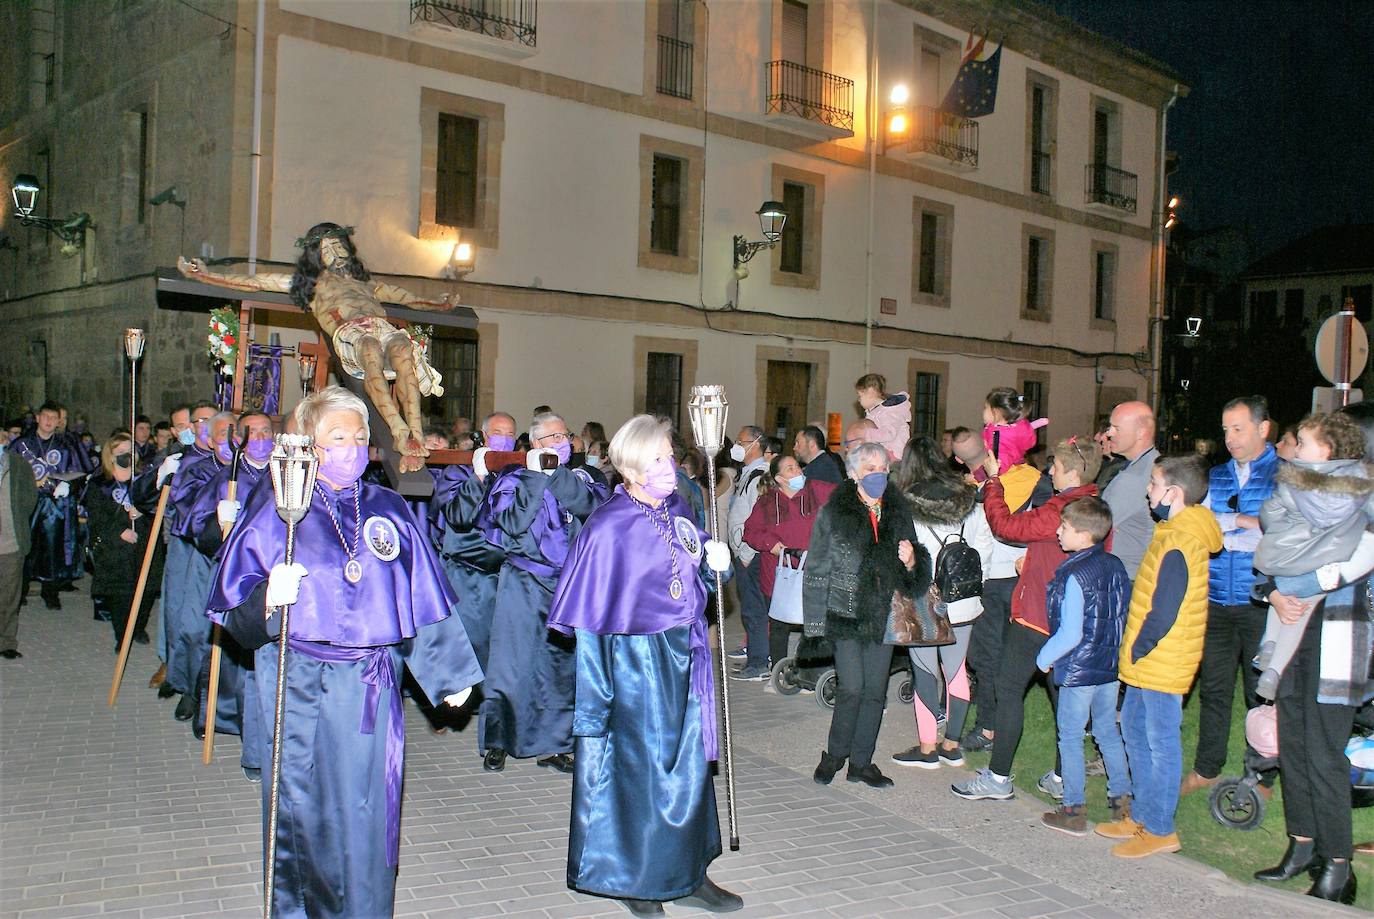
[(532, 515)]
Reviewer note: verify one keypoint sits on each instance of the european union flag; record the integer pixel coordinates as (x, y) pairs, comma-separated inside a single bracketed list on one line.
[(974, 93)]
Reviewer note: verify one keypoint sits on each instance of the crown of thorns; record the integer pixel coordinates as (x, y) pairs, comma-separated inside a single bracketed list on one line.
[(316, 238)]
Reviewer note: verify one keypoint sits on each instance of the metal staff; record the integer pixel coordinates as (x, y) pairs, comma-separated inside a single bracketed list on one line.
[(709, 410), (293, 466), (207, 752), (134, 342)]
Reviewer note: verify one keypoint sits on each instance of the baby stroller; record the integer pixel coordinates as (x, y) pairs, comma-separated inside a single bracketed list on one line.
[(812, 667), (1238, 804)]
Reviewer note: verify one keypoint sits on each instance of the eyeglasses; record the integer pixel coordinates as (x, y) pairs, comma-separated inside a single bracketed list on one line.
[(557, 437)]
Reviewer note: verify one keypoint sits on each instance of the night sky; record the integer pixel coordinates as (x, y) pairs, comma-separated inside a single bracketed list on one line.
[(1277, 132)]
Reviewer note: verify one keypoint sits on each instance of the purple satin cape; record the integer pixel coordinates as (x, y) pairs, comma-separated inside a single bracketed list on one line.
[(393, 598), (615, 582)]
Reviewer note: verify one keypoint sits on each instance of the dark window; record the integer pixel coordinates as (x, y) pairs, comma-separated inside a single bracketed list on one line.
[(1036, 250), (1293, 307), (665, 220), (926, 418), (794, 32), (1102, 133), (928, 281), (140, 142), (49, 78), (794, 230), (1264, 307), (1360, 293), (663, 389), (454, 354), (455, 187), (1034, 391), (1040, 152), (1104, 286)]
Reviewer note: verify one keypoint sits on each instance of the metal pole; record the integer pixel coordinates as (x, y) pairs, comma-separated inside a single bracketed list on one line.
[(133, 419), (1156, 322), (275, 794), (727, 754), (259, 34)]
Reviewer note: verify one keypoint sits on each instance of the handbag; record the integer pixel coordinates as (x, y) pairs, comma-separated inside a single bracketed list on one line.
[(918, 624), (786, 603)]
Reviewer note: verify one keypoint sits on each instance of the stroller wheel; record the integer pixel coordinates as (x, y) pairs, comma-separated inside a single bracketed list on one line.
[(906, 692), (825, 689), (1236, 804), (785, 679)]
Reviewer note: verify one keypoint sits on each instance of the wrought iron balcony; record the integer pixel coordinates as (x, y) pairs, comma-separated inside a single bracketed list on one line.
[(805, 92), (674, 67), (1110, 187), (945, 135), (508, 20), (1040, 171)]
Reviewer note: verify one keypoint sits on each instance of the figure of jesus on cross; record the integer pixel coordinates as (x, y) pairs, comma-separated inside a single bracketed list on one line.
[(333, 285)]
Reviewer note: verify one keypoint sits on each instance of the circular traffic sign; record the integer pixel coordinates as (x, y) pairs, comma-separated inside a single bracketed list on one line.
[(1327, 351)]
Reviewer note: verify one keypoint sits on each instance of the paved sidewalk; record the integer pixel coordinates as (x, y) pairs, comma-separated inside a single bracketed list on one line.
[(110, 813)]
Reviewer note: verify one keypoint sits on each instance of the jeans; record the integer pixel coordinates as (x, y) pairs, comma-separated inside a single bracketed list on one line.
[(985, 649), (1233, 637), (861, 670), (1150, 724), (1017, 672), (1076, 703), (753, 612)]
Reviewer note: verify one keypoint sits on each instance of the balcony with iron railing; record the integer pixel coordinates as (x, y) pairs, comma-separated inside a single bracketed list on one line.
[(1109, 188), (1041, 164), (674, 67), (810, 100), (943, 138), (504, 26)]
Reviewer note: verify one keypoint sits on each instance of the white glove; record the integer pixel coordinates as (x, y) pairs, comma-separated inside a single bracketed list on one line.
[(717, 555), (1329, 576), (284, 584), (479, 461), (457, 699), (226, 512), (533, 457), (168, 468), (61, 490)]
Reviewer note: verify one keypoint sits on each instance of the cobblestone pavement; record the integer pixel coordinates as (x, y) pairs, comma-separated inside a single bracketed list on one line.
[(111, 813)]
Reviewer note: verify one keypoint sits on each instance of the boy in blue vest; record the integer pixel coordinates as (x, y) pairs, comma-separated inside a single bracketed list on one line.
[(1087, 601)]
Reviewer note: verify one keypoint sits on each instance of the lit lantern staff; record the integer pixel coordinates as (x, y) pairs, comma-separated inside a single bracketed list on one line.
[(365, 592)]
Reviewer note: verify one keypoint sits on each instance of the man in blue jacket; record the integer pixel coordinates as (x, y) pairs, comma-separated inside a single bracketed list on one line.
[(1234, 624)]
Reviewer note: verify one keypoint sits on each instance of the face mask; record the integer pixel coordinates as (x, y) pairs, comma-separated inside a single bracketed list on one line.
[(593, 461), (501, 443), (203, 431), (124, 461), (797, 482), (186, 437), (224, 451), (660, 479), (874, 484), (259, 450), (343, 466), (564, 452), (737, 452), (1160, 512)]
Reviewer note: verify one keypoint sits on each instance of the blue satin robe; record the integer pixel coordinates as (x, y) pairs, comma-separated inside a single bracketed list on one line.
[(56, 552), (531, 675), (470, 561), (186, 587)]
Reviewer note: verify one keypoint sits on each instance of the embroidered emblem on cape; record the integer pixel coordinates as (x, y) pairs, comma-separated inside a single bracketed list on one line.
[(584, 475), (687, 535), (382, 538), (39, 470), (120, 494), (54, 457)]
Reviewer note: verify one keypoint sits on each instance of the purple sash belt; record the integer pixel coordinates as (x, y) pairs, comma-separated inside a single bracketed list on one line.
[(379, 676), (704, 685)]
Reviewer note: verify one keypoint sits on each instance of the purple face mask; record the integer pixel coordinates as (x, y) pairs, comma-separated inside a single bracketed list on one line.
[(203, 431), (343, 466), (224, 451), (564, 452), (660, 479), (501, 443), (259, 450)]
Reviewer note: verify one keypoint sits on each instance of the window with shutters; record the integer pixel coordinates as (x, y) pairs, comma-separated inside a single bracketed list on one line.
[(663, 386), (1104, 256), (794, 230), (796, 261), (460, 168), (925, 418), (1034, 388), (669, 204), (794, 32), (932, 225), (1037, 272), (1042, 108), (455, 202), (665, 222)]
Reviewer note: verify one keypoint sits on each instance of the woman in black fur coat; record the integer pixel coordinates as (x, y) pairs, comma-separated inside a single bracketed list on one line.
[(863, 549)]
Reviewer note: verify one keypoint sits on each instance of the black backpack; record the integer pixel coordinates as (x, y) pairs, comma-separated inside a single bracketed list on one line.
[(958, 569)]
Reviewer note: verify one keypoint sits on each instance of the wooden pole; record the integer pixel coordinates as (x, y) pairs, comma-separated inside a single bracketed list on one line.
[(138, 594), (216, 636)]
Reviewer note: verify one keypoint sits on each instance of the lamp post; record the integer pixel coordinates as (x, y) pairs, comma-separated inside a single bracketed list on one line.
[(772, 218), (461, 261), (71, 229), (134, 342)]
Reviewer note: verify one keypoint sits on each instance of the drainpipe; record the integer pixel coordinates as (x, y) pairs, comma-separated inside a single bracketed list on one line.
[(872, 177), (1157, 304), (255, 184)]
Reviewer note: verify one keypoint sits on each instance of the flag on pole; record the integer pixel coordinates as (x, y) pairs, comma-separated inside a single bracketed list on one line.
[(974, 93)]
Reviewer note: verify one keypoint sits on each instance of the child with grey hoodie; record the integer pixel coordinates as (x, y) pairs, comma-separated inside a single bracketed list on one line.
[(1314, 521)]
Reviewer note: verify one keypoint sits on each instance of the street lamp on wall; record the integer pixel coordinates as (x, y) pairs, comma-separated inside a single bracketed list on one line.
[(772, 218), (897, 121), (71, 230), (462, 261)]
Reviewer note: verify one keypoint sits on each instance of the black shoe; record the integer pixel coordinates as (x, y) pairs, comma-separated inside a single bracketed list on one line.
[(495, 760), (975, 740), (1336, 882), (1301, 856), (870, 775), (141, 637), (186, 707), (829, 765), (11, 654), (252, 775), (66, 587), (101, 615), (52, 600), (712, 898), (644, 907), (914, 757), (166, 690), (563, 762), (197, 731)]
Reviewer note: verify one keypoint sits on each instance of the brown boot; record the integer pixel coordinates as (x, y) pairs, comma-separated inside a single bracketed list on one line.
[(158, 677), (1193, 782)]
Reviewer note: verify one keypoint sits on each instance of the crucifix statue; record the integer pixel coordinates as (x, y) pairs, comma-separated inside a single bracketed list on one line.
[(333, 285)]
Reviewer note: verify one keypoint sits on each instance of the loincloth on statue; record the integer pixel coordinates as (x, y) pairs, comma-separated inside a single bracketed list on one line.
[(351, 333)]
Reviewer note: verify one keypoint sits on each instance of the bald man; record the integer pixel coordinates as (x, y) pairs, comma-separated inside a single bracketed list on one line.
[(863, 431), (1132, 437)]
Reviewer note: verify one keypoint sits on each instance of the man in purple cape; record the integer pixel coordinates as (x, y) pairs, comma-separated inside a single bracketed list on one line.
[(644, 824), (58, 460)]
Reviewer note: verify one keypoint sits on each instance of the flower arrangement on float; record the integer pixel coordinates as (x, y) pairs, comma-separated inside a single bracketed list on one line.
[(223, 341)]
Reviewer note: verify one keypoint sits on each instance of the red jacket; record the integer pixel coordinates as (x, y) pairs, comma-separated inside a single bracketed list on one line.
[(779, 519), (1035, 529)]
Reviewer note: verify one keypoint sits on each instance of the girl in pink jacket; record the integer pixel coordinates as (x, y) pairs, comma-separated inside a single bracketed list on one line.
[(892, 414)]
